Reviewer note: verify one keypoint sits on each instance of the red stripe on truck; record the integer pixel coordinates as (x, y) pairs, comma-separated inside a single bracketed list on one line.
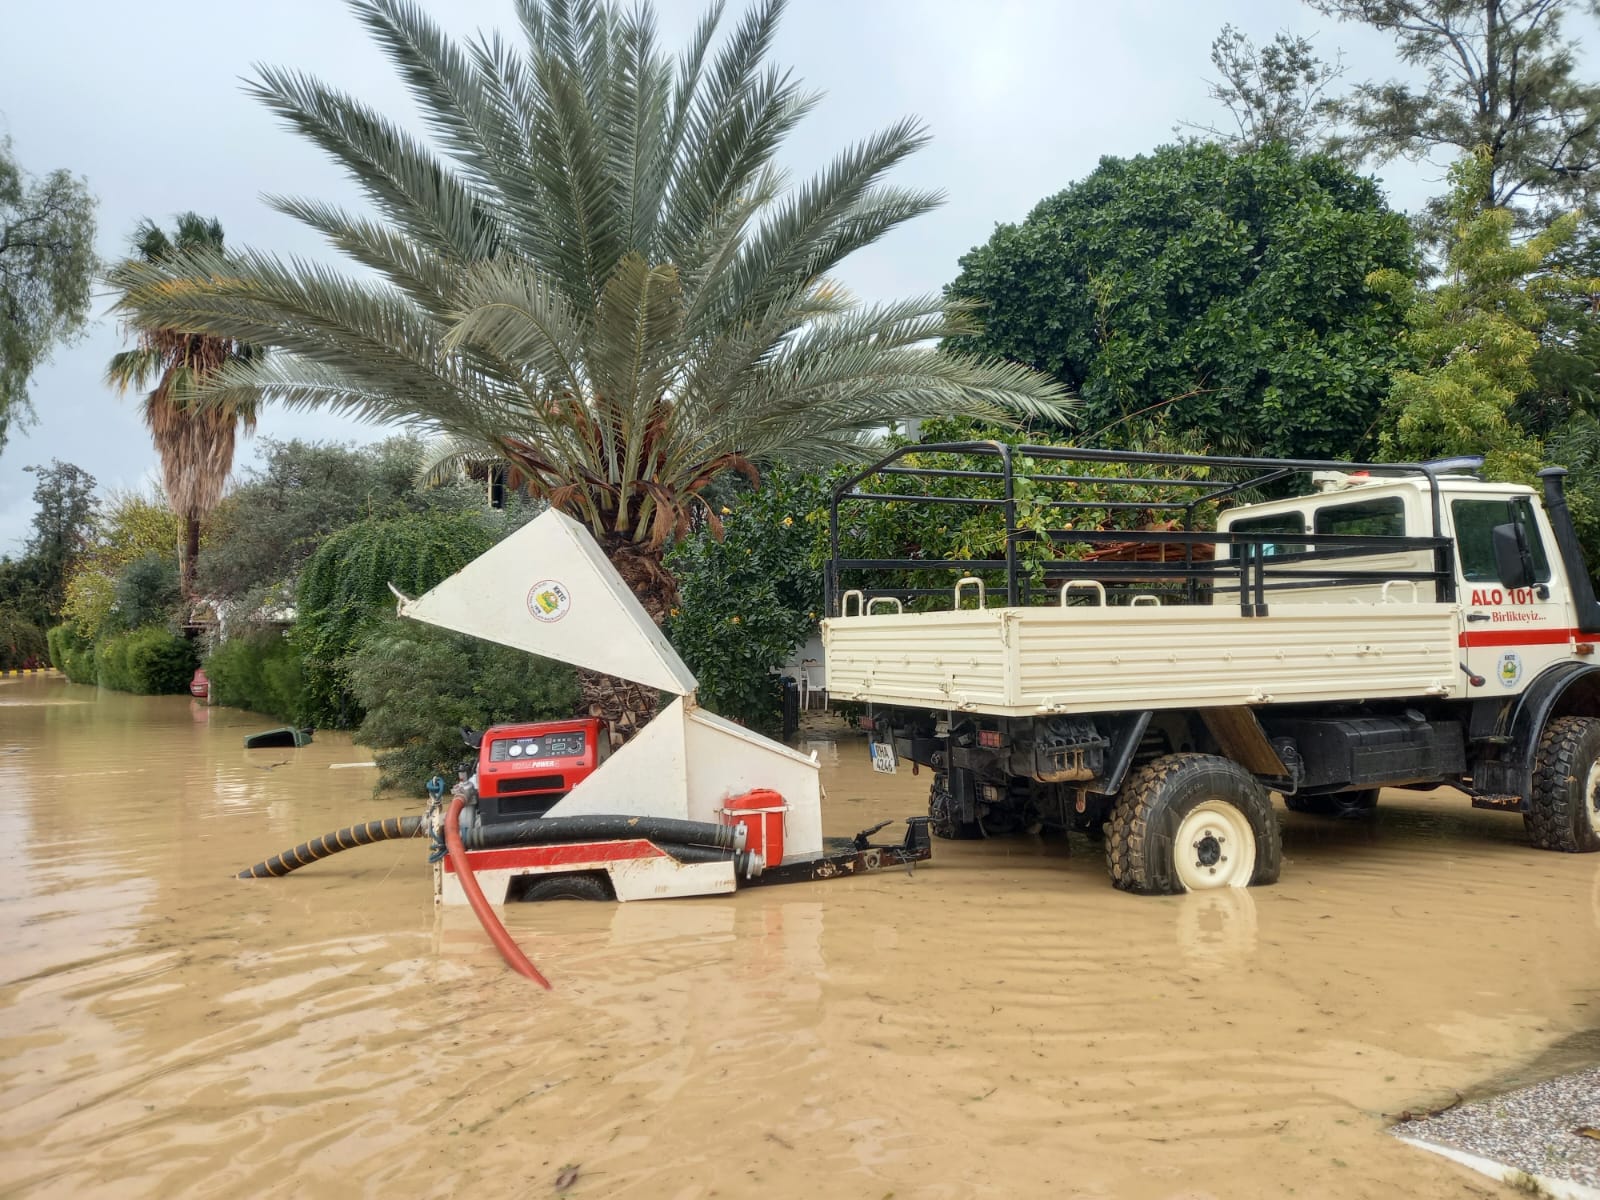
[(512, 857), (1525, 636)]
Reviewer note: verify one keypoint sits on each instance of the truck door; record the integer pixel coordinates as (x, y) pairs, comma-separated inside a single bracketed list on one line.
[(1508, 635)]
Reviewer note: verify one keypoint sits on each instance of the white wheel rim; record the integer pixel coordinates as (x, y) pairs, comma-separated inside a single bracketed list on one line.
[(1214, 847), (1591, 797)]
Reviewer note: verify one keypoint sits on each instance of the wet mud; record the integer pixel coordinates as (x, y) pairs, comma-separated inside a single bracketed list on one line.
[(1000, 1023)]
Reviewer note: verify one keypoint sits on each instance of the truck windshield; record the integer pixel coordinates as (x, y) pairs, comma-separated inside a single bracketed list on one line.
[(1475, 519)]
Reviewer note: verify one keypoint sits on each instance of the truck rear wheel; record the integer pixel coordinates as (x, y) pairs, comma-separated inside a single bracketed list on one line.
[(1190, 822), (1564, 810), (1340, 804), (942, 809)]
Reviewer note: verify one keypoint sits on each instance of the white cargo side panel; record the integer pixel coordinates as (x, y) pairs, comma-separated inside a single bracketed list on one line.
[(548, 589)]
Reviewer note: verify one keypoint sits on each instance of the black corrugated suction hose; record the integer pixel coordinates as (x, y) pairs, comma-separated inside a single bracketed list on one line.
[(307, 853), (537, 831), (547, 831)]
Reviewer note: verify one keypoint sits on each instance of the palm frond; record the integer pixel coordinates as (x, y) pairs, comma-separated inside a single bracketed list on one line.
[(593, 268)]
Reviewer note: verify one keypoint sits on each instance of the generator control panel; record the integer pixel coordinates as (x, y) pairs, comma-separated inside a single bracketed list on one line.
[(523, 770)]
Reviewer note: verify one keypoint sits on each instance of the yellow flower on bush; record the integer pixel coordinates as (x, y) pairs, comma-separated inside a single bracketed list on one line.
[(788, 521), (733, 620)]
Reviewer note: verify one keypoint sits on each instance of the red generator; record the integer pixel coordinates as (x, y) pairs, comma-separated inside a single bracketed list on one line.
[(524, 769)]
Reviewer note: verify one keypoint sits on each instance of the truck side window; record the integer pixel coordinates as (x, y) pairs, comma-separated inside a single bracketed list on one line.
[(1365, 518), (1291, 523), (1474, 519)]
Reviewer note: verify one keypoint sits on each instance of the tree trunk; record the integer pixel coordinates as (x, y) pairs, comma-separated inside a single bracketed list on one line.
[(191, 552), (628, 707)]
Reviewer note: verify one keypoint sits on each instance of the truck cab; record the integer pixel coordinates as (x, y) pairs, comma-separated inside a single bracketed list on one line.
[(1507, 634)]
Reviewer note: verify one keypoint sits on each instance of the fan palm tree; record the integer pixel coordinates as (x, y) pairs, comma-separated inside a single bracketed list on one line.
[(194, 440), (599, 275)]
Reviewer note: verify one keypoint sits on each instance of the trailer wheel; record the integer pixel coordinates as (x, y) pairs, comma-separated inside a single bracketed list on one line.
[(565, 887), (1349, 805), (941, 808), (1190, 822), (1564, 810)]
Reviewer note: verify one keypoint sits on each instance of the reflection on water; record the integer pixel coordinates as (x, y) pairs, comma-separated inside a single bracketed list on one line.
[(998, 1023)]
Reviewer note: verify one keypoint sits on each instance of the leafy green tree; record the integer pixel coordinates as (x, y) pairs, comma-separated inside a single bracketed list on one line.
[(22, 642), (603, 280), (194, 441), (47, 261), (148, 593), (1497, 73), (127, 526), (417, 687), (1474, 335), (749, 597), (1275, 94), (1222, 293), (34, 586), (344, 592), (275, 517)]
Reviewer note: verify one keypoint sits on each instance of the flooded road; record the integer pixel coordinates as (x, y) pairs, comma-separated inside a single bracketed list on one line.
[(999, 1024)]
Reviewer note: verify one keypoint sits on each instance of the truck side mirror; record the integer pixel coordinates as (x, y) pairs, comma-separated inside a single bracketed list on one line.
[(1513, 565)]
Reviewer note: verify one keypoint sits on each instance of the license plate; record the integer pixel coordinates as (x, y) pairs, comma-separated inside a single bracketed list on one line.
[(883, 758)]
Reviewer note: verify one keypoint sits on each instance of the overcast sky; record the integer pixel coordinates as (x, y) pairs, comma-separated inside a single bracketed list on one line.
[(1022, 98)]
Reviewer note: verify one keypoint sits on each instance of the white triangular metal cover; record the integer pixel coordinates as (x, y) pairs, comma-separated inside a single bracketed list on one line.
[(687, 762), (548, 589)]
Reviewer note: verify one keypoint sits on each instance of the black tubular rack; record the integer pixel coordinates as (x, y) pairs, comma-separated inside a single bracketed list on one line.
[(1249, 569)]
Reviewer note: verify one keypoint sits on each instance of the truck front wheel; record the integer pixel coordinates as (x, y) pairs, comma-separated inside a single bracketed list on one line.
[(1564, 810), (1190, 822)]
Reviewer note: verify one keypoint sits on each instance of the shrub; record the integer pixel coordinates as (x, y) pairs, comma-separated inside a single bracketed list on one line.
[(151, 661), (71, 654), (419, 685), (148, 592), (261, 672), (22, 643), (131, 527), (344, 592), (747, 601)]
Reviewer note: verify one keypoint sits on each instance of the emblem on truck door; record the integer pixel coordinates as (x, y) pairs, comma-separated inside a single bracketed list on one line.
[(548, 600), (1510, 668)]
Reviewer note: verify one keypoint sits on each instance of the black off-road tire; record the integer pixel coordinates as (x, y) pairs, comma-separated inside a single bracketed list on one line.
[(1156, 799), (566, 887), (1562, 813), (1347, 805), (944, 824)]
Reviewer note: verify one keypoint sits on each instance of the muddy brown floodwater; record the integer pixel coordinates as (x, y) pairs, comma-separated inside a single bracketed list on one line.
[(999, 1024)]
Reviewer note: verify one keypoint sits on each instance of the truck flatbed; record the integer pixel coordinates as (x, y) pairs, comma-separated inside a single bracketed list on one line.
[(1081, 659)]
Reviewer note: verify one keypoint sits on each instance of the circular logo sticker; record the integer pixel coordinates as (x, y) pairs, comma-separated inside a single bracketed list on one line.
[(549, 600), (1510, 669)]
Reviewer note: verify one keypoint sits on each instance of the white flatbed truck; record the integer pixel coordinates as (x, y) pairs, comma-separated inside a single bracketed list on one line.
[(1321, 630)]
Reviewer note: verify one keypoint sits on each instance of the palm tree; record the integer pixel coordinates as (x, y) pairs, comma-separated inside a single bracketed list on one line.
[(194, 440), (601, 277)]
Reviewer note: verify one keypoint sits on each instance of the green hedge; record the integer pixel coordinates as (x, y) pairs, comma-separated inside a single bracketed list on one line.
[(151, 661), (261, 672), (22, 643), (71, 655)]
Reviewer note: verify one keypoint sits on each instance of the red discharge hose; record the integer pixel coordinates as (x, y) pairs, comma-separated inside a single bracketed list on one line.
[(509, 950)]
